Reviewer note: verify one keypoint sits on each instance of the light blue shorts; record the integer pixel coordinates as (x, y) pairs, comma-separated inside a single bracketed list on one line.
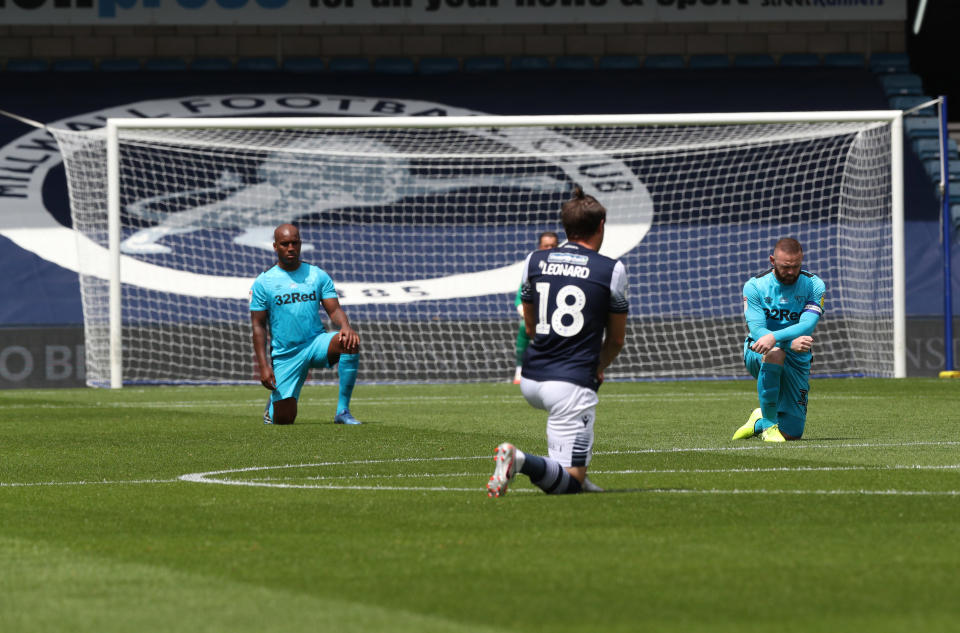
[(794, 388), (291, 369)]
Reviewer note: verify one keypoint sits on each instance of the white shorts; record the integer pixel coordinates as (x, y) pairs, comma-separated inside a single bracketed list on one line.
[(571, 411)]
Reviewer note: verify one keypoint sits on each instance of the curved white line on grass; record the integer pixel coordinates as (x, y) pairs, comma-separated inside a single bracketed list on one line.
[(213, 477), (104, 482)]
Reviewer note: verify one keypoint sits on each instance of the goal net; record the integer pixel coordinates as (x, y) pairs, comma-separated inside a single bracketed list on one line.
[(423, 226)]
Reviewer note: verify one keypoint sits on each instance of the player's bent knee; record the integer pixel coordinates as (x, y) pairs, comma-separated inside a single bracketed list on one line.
[(285, 411), (775, 356)]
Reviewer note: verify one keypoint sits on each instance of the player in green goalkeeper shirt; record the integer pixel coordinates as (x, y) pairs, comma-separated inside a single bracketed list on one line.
[(288, 298), (547, 240), (782, 307)]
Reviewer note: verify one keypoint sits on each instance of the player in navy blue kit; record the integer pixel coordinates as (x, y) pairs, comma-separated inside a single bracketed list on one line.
[(290, 295), (575, 311), (782, 307)]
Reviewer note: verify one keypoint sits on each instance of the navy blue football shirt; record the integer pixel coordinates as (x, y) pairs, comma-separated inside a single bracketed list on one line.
[(573, 289)]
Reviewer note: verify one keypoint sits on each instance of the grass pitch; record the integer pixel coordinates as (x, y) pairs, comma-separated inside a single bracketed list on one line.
[(175, 509)]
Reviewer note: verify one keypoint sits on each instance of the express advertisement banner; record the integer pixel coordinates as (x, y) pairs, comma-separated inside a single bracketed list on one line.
[(413, 12)]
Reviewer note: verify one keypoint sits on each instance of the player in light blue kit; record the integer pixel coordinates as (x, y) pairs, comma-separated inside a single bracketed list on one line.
[(782, 307), (289, 295)]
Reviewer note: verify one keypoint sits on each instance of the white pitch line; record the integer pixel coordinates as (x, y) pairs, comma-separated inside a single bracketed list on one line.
[(211, 477), (103, 482), (395, 400), (652, 471)]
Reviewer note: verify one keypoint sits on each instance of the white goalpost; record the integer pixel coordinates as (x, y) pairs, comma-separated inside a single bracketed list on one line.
[(423, 224)]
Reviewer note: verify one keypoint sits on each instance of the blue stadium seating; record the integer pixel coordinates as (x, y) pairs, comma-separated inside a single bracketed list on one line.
[(73, 65), (664, 61), (439, 65), (165, 64), (887, 63), (574, 62), (799, 60), (905, 102), (529, 62), (754, 61), (120, 65), (18, 65), (304, 64), (349, 65), (394, 66), (709, 61), (929, 147), (211, 64), (845, 60), (901, 84), (487, 64), (954, 215), (258, 64), (618, 62), (920, 126)]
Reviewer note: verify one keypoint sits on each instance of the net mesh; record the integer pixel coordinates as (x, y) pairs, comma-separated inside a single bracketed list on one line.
[(423, 231)]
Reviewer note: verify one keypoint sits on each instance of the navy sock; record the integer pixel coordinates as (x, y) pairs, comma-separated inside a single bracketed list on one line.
[(549, 475)]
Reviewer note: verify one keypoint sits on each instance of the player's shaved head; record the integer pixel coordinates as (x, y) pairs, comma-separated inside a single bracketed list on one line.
[(285, 230), (286, 242)]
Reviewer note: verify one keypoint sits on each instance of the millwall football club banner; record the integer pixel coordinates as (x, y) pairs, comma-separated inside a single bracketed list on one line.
[(376, 12)]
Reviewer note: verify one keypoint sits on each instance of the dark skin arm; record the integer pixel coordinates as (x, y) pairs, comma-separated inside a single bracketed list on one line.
[(348, 340), (258, 319)]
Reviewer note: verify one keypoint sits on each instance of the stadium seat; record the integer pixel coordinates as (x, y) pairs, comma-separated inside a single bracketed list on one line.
[(349, 65), (439, 65), (905, 102), (886, 63), (799, 60), (955, 217), (618, 62), (487, 64), (120, 65), (165, 64), (930, 148), (664, 61), (901, 84), (211, 63), (18, 65), (754, 61), (932, 167), (529, 62), (574, 62), (920, 126), (709, 61), (845, 60), (394, 66), (73, 65), (304, 65), (258, 64)]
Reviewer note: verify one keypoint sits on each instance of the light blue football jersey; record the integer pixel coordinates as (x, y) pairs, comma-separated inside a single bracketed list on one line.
[(293, 300), (770, 306)]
